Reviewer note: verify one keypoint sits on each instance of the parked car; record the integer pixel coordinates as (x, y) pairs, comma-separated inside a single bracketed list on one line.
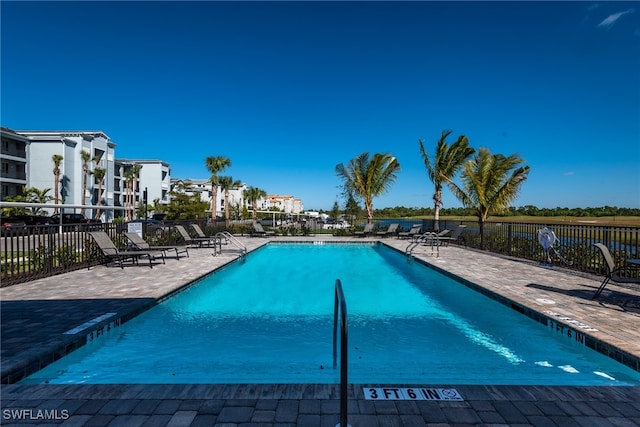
[(38, 220), (159, 216), (76, 219), (24, 221), (10, 224)]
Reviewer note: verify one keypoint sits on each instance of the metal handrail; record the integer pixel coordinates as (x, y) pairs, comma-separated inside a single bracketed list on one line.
[(341, 304), (227, 236), (430, 237)]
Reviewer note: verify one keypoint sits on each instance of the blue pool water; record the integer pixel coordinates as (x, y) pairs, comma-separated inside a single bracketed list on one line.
[(269, 320)]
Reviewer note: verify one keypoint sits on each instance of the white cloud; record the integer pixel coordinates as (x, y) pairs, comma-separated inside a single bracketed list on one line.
[(611, 19), (570, 173)]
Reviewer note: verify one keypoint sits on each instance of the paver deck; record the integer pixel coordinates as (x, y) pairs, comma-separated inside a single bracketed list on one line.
[(35, 316)]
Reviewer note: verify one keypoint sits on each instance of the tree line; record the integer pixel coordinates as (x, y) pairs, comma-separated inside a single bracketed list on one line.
[(528, 210)]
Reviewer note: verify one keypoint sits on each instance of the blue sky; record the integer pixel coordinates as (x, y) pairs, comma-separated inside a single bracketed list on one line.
[(287, 90)]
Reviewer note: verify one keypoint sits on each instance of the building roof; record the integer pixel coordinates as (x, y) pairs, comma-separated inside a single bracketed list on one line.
[(60, 133)]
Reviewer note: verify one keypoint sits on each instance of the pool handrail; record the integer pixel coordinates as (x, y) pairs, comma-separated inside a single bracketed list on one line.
[(341, 305), (429, 237), (230, 238)]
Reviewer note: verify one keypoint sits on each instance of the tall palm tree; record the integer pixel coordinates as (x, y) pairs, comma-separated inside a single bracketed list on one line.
[(215, 164), (135, 171), (57, 159), (85, 157), (446, 163), (128, 183), (99, 173), (227, 183), (253, 194), (490, 182), (368, 177)]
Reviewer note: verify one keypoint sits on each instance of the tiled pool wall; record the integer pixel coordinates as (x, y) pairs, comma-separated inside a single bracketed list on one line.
[(66, 344), (570, 328)]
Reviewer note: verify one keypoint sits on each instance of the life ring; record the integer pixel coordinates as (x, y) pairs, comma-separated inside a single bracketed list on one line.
[(546, 237)]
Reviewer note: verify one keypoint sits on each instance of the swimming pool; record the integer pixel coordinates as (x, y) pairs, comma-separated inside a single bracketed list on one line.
[(269, 319)]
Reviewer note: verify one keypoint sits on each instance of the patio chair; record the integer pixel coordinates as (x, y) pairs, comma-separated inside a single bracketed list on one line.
[(199, 233), (194, 241), (259, 231), (111, 252), (140, 244), (414, 231), (613, 272), (392, 229), (368, 229), (455, 236)]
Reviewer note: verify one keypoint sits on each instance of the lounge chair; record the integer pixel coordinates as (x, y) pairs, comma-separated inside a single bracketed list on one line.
[(259, 231), (194, 241), (455, 236), (415, 231), (140, 244), (613, 272), (393, 228), (368, 229), (199, 233), (111, 252)]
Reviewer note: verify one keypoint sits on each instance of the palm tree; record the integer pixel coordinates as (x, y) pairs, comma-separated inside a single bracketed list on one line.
[(158, 207), (215, 164), (227, 183), (35, 195), (57, 159), (135, 171), (253, 194), (99, 174), (128, 183), (368, 178), (85, 157), (445, 165), (490, 182)]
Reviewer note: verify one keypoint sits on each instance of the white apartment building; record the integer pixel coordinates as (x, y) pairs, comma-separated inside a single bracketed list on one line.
[(203, 188), (26, 159), (154, 177), (287, 204), (42, 145)]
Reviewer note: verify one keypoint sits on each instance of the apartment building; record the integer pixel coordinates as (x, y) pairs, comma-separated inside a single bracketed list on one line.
[(26, 161), (154, 178), (202, 187), (287, 204), (13, 163), (41, 146)]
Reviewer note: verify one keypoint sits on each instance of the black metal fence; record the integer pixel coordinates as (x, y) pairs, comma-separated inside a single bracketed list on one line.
[(574, 249), (34, 252)]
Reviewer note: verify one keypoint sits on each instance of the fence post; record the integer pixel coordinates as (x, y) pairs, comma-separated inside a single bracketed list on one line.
[(50, 251)]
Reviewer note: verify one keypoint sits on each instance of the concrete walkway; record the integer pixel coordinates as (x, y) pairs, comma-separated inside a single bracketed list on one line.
[(35, 316)]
